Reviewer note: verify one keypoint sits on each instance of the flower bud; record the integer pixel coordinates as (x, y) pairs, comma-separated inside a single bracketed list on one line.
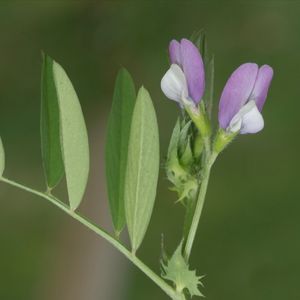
[(180, 161)]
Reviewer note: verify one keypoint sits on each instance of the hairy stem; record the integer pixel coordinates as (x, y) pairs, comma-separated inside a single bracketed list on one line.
[(102, 233), (209, 161)]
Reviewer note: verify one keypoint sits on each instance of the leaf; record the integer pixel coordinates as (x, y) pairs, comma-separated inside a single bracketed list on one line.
[(2, 158), (177, 271), (50, 143), (116, 150), (142, 168), (73, 137)]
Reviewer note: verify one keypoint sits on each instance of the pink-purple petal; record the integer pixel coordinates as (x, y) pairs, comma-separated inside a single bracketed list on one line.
[(193, 69), (236, 92), (175, 52), (261, 87)]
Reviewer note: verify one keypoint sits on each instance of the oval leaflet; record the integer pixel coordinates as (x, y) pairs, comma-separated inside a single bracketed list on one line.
[(142, 168), (73, 137)]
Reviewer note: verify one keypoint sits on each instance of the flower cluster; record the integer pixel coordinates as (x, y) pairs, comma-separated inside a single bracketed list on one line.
[(243, 96), (240, 107)]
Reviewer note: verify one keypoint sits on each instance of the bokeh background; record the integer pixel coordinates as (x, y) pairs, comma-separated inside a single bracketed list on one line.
[(248, 243)]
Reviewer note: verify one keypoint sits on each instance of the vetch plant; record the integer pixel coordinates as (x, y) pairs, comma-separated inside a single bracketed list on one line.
[(132, 149)]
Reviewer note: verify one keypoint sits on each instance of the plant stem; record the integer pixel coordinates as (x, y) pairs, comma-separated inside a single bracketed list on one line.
[(207, 146), (209, 161), (102, 233)]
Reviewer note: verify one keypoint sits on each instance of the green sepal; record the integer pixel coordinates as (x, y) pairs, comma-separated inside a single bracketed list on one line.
[(177, 271), (198, 146), (188, 190), (178, 166), (185, 153), (199, 118), (222, 140), (187, 156), (175, 173), (183, 136)]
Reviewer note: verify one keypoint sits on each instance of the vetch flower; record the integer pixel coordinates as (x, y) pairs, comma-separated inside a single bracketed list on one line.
[(243, 98), (184, 82)]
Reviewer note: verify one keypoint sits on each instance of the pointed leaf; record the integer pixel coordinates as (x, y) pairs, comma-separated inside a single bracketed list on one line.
[(73, 135), (50, 140), (2, 158), (142, 168), (116, 150)]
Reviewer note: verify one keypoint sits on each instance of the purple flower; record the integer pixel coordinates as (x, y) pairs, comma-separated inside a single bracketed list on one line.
[(184, 81), (243, 98)]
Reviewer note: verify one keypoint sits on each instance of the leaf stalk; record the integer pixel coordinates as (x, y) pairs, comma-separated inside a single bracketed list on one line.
[(105, 235)]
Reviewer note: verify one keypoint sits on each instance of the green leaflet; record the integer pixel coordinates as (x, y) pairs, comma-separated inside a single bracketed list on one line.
[(49, 126), (73, 137), (177, 271), (2, 158), (116, 150), (142, 168)]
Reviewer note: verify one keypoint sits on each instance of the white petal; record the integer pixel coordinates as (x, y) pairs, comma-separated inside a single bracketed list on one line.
[(247, 120), (174, 84), (235, 124), (252, 122)]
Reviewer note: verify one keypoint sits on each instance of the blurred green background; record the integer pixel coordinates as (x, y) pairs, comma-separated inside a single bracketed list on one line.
[(248, 243)]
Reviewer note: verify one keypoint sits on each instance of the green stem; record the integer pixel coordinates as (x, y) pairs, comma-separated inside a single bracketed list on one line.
[(199, 206), (207, 146), (136, 261)]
